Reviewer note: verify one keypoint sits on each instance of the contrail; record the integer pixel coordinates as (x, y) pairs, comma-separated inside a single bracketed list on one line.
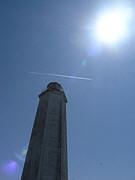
[(21, 156), (60, 75)]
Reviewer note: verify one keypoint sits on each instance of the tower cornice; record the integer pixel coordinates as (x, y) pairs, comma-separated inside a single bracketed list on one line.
[(54, 87)]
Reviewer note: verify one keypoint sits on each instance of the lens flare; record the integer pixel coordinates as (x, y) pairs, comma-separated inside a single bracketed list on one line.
[(10, 167)]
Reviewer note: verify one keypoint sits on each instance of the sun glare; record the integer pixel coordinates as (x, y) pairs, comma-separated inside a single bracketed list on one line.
[(112, 25)]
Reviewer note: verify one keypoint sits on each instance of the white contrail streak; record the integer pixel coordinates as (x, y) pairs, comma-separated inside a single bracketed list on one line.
[(60, 75), (19, 157), (22, 155)]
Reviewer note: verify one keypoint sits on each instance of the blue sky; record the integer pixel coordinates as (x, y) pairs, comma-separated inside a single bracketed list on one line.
[(49, 36)]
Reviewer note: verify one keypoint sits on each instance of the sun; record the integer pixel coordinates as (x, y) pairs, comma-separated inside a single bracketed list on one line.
[(111, 26)]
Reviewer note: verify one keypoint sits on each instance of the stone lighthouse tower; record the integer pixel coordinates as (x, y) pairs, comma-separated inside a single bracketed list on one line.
[(46, 158)]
